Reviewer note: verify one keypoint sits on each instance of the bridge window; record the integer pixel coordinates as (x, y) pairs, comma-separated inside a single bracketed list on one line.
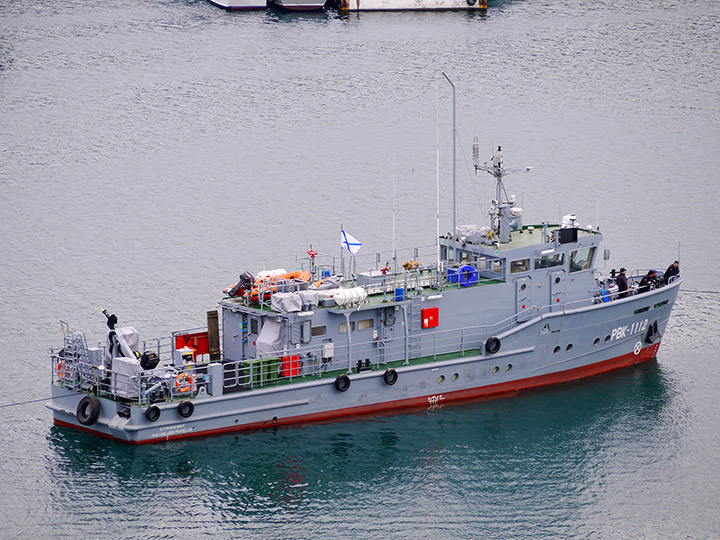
[(318, 330), (581, 259), (343, 327), (365, 324), (549, 261), (523, 265)]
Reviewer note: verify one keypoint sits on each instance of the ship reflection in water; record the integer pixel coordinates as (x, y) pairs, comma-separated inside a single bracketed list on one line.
[(540, 444)]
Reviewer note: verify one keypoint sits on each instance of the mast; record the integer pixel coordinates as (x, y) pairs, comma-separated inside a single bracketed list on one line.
[(500, 212), (437, 175), (454, 222)]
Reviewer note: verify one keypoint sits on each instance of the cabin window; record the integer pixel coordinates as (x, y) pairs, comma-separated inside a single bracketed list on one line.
[(581, 259), (318, 330), (549, 261), (365, 324), (253, 326), (523, 265), (343, 327), (496, 267)]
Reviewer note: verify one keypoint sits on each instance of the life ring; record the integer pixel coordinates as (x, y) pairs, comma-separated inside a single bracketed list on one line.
[(492, 345), (179, 382), (152, 413), (342, 383), (186, 408), (390, 376), (62, 372), (467, 275), (88, 410)]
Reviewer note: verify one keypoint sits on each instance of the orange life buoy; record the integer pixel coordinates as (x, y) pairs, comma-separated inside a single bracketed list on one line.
[(179, 382), (63, 371)]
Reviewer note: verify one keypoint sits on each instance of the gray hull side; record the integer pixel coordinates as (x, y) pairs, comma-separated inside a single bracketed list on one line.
[(551, 348)]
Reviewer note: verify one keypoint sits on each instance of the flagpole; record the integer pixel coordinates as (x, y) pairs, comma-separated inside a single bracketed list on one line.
[(393, 219), (342, 249)]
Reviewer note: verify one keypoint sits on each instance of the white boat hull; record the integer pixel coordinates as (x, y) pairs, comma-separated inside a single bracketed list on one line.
[(234, 5), (414, 5)]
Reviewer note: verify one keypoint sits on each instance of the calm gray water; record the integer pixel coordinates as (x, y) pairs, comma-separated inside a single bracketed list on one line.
[(151, 150)]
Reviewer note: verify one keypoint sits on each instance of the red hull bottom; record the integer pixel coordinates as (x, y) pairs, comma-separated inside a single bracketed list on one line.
[(423, 402)]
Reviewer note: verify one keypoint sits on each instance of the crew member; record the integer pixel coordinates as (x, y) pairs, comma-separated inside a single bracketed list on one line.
[(648, 281), (672, 270), (621, 281)]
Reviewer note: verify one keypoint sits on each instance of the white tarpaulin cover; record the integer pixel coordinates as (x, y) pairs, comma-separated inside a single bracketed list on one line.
[(270, 338), (124, 376), (475, 234), (349, 296)]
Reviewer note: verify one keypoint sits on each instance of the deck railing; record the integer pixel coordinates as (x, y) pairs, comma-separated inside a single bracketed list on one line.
[(173, 380)]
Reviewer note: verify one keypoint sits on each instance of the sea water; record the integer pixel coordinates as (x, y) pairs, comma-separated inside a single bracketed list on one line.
[(151, 151)]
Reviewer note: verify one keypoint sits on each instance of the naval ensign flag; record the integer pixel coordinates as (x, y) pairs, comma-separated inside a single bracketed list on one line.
[(350, 242)]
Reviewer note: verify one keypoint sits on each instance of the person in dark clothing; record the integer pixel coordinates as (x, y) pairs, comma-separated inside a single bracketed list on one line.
[(621, 281), (649, 281), (672, 270)]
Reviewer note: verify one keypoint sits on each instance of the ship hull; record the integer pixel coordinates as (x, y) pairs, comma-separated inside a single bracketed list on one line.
[(553, 348), (411, 5)]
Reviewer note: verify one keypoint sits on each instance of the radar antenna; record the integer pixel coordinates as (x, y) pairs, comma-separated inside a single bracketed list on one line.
[(504, 215)]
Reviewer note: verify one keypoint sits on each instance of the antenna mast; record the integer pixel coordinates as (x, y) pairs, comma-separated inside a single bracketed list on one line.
[(454, 222)]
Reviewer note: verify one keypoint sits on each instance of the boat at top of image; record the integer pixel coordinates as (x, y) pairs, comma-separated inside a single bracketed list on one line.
[(485, 311), (238, 5)]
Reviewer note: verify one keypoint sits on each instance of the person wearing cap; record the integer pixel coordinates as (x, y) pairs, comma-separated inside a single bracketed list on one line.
[(672, 270), (648, 281), (621, 281)]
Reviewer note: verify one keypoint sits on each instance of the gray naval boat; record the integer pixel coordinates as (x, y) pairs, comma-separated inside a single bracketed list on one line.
[(486, 311)]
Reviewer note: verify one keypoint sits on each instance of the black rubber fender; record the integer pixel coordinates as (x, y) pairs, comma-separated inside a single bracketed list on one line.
[(88, 410), (186, 408), (492, 345), (152, 413), (390, 376), (342, 383)]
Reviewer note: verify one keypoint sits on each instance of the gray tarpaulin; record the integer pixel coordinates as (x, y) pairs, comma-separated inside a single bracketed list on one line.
[(270, 338), (299, 301), (124, 377), (331, 282), (286, 302)]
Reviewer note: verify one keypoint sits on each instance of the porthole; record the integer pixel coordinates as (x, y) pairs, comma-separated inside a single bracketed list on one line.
[(596, 342), (607, 338), (557, 280), (569, 347), (556, 350), (508, 367), (454, 377), (523, 287), (495, 370), (441, 379)]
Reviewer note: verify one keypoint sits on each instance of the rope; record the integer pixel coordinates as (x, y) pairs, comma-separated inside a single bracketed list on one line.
[(33, 401)]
